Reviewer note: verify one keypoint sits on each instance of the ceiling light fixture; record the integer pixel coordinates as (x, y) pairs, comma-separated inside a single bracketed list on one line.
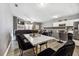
[(55, 16), (43, 4)]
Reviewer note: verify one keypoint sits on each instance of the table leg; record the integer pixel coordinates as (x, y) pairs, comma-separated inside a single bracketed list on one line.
[(46, 45), (40, 48), (36, 49)]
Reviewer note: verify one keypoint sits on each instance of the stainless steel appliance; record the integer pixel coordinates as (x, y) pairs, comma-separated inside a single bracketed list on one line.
[(76, 30)]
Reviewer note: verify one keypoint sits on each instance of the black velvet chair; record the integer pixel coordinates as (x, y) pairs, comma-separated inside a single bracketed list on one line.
[(21, 39), (66, 50), (25, 31), (21, 32), (23, 45)]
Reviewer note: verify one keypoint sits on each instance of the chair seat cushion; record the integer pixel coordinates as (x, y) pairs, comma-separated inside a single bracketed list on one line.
[(43, 43), (46, 52)]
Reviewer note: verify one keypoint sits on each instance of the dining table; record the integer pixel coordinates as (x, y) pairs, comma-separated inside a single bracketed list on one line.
[(38, 39)]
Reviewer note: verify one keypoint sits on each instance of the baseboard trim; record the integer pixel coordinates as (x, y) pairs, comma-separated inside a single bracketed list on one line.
[(7, 49)]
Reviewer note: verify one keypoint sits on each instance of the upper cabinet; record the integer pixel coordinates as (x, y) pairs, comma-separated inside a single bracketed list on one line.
[(67, 23), (56, 24)]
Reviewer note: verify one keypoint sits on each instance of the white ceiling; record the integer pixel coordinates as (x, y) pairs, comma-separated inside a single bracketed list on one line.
[(44, 12)]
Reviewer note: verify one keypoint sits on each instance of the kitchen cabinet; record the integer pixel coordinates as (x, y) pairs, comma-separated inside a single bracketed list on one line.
[(69, 23)]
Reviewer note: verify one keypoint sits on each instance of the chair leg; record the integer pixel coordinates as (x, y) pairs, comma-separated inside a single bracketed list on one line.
[(34, 51), (21, 52)]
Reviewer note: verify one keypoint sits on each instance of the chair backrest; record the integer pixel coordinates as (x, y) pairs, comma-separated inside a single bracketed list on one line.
[(66, 50), (25, 31), (21, 42)]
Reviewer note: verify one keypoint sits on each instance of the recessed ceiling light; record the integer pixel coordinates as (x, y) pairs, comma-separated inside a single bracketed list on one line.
[(43, 4), (55, 16)]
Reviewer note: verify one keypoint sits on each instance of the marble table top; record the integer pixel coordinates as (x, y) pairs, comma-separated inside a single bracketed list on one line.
[(38, 39)]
